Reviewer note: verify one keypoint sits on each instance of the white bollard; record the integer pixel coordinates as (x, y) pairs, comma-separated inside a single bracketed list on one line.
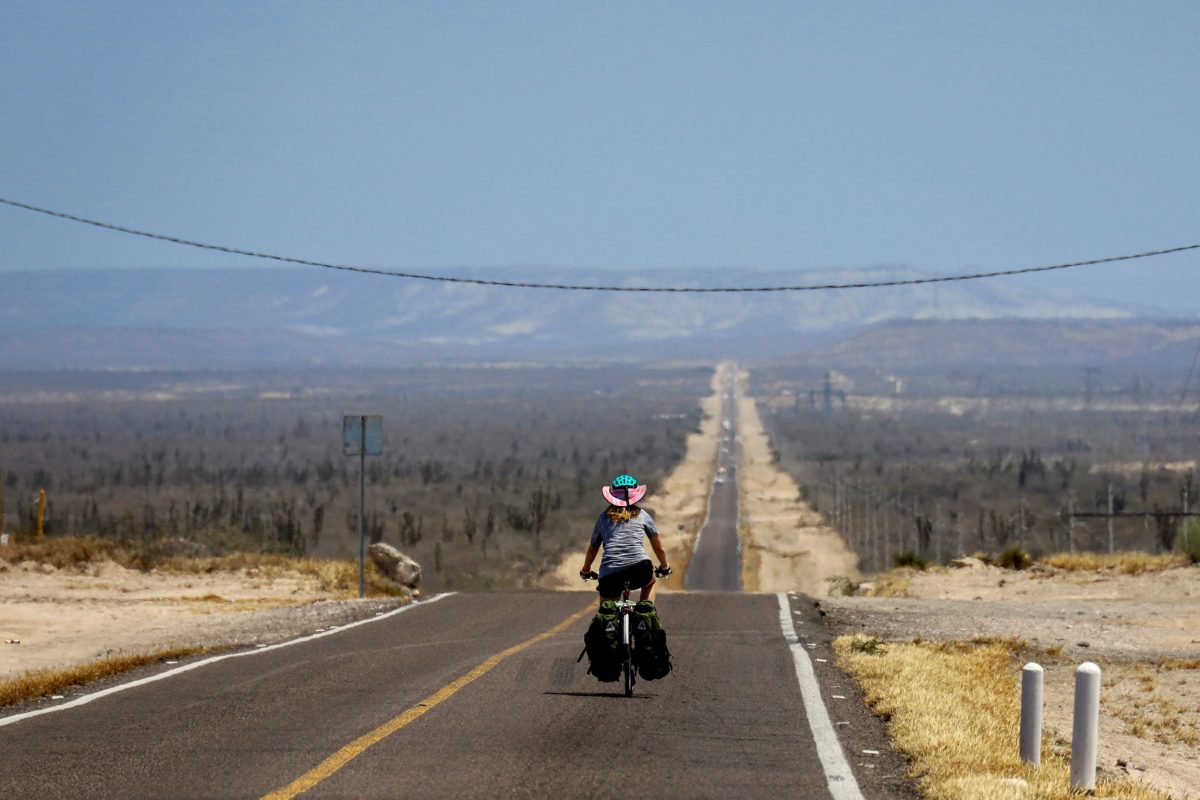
[(1085, 730), (1031, 714)]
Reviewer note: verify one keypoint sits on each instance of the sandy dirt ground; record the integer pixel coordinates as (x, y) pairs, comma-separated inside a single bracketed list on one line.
[(53, 618), (785, 547), (1143, 631), (680, 504)]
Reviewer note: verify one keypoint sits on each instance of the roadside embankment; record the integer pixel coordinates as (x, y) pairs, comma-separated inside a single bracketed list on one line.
[(65, 615), (1136, 615), (952, 709), (785, 546)]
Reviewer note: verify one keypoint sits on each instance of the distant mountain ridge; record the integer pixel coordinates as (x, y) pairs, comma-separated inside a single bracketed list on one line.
[(983, 344), (179, 318)]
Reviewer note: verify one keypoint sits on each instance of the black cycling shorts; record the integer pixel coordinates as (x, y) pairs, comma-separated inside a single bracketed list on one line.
[(638, 575)]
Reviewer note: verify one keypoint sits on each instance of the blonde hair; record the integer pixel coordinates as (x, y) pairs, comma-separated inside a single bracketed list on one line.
[(618, 514)]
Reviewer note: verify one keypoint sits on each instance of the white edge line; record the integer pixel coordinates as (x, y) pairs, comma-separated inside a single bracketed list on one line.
[(87, 698), (842, 785)]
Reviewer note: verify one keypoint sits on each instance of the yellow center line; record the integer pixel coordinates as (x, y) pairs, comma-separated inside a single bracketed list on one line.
[(357, 747)]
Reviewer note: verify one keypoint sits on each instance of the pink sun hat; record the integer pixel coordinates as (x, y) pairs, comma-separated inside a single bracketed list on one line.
[(625, 495)]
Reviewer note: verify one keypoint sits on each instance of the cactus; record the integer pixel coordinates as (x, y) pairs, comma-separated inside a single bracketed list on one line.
[(41, 518), (2, 519), (1188, 540)]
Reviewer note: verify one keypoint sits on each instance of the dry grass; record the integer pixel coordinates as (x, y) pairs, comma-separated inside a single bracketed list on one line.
[(61, 553), (1149, 709), (893, 583), (751, 557), (1166, 663), (1130, 563), (954, 709), (335, 577), (47, 682), (208, 598)]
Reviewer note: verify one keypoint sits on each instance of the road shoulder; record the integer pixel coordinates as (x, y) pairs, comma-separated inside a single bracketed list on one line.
[(880, 771)]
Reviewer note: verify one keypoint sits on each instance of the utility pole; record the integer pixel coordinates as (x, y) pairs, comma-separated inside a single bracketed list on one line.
[(917, 540), (362, 507), (937, 532), (887, 534), (872, 538), (1110, 520), (362, 436), (1071, 524), (1021, 519)]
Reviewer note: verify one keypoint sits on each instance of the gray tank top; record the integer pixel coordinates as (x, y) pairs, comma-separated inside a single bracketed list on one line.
[(622, 541)]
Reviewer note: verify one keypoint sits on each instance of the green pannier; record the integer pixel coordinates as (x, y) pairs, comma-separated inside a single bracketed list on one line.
[(650, 652), (602, 643)]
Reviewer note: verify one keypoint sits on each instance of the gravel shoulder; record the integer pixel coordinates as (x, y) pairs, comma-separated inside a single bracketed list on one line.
[(52, 619)]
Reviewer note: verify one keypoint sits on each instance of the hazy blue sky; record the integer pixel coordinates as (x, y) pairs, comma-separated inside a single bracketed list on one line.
[(788, 136)]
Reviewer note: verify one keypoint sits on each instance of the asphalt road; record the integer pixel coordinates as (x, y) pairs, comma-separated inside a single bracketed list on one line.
[(479, 695), (716, 565), (728, 722)]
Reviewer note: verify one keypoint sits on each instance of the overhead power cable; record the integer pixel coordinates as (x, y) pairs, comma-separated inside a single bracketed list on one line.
[(584, 287)]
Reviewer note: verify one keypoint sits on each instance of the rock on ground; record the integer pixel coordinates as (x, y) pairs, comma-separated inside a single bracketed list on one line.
[(395, 565)]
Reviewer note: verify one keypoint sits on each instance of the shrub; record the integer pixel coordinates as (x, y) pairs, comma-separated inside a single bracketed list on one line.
[(871, 645), (1188, 540), (1126, 563), (1013, 558), (908, 559), (841, 585)]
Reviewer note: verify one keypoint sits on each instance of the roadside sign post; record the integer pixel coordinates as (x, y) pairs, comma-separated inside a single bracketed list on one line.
[(362, 436)]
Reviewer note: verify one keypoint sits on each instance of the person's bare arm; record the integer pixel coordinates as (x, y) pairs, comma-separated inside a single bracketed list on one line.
[(656, 545), (588, 558)]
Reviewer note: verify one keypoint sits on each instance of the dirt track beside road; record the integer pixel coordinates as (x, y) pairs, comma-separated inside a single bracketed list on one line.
[(785, 545)]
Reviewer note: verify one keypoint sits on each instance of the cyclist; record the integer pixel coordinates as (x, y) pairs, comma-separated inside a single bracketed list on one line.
[(620, 529)]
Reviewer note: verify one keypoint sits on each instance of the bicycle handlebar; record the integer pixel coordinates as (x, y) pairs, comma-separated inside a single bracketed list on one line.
[(661, 572)]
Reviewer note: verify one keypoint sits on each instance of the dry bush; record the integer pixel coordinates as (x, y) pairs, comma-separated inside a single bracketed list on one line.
[(60, 553), (487, 476), (1187, 541), (1166, 663), (1129, 563), (893, 583), (954, 709), (338, 577), (915, 474), (1013, 558), (908, 559), (840, 585)]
